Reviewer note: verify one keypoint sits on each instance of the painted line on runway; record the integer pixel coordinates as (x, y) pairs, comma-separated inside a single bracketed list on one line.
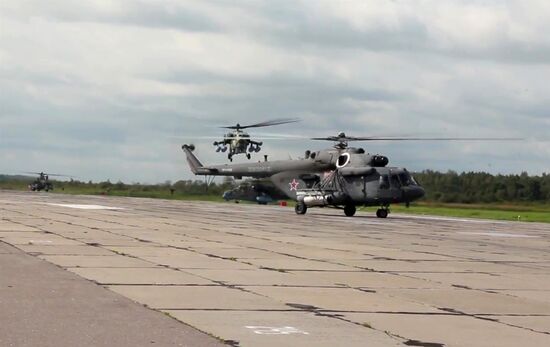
[(496, 234), (87, 207), (265, 330)]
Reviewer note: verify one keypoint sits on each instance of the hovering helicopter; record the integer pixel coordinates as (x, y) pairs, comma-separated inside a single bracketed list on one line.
[(342, 176), (239, 141), (42, 182)]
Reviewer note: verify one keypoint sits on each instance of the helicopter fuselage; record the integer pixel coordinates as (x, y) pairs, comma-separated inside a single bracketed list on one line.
[(239, 142), (41, 183), (335, 177)]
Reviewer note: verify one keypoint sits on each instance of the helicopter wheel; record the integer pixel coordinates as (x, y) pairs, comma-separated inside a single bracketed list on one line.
[(381, 213), (248, 156), (300, 208), (230, 157), (349, 210)]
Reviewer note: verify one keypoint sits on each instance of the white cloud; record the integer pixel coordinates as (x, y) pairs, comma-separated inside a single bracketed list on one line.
[(110, 81)]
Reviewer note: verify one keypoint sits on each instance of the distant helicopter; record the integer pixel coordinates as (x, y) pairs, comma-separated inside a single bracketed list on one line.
[(42, 182), (239, 141), (343, 177)]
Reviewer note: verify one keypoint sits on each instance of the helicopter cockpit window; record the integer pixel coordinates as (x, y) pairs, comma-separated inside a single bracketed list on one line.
[(384, 182), (394, 181), (406, 179)]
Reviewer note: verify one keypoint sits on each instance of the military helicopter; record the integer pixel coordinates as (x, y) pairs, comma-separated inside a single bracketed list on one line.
[(342, 176), (42, 182), (258, 191), (239, 141)]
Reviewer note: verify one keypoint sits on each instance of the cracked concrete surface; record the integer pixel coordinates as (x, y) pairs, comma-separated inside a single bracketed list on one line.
[(263, 276)]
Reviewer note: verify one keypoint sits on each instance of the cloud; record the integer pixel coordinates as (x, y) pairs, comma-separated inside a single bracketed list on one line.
[(98, 89)]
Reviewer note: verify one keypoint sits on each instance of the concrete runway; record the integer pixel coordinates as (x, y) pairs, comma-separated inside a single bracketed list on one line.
[(263, 276)]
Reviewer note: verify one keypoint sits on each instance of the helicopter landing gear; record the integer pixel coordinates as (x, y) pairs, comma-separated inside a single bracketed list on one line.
[(382, 212), (300, 208), (248, 156), (349, 210), (230, 157)]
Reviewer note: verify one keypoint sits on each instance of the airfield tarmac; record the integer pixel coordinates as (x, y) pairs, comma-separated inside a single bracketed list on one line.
[(263, 276)]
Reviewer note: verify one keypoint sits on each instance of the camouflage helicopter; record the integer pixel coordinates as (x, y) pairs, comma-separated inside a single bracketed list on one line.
[(342, 176), (239, 141), (261, 191)]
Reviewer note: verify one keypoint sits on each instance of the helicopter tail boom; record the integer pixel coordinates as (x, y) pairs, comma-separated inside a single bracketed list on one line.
[(194, 163)]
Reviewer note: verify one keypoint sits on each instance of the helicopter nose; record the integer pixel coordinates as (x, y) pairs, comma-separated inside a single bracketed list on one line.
[(227, 195), (414, 193)]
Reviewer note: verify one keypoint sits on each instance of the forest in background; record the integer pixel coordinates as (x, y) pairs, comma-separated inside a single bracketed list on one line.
[(441, 187), (481, 187)]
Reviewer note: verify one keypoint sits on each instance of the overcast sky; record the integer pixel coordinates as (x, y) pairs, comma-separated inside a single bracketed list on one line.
[(111, 89)]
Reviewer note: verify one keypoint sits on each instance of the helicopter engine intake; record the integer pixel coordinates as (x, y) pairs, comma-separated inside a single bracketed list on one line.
[(379, 161)]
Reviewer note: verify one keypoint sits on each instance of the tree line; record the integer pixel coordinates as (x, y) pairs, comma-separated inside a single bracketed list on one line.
[(481, 187)]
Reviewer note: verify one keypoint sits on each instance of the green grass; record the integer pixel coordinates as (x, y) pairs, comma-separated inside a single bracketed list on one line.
[(508, 212), (155, 194)]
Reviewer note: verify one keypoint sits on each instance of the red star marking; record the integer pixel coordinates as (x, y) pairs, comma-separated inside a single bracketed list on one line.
[(294, 184)]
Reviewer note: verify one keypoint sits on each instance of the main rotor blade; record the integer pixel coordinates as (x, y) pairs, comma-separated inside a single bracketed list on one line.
[(280, 136), (47, 174), (273, 122), (373, 138), (265, 124), (213, 137)]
